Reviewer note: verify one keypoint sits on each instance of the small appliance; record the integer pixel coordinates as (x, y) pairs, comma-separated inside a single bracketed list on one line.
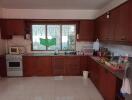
[(16, 50)]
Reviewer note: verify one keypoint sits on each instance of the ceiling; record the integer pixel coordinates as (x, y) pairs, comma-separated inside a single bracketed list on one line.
[(54, 4)]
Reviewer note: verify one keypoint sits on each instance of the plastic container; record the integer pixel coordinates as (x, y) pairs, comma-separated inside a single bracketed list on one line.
[(85, 74)]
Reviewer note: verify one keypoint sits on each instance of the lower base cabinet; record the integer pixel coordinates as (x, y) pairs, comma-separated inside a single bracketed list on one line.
[(107, 84), (72, 66), (3, 72), (54, 65), (37, 66), (58, 66)]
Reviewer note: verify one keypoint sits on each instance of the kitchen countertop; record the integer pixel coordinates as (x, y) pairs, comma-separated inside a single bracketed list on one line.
[(118, 74), (50, 54)]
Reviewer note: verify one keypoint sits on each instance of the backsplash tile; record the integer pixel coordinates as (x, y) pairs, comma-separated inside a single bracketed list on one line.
[(20, 41), (118, 49)]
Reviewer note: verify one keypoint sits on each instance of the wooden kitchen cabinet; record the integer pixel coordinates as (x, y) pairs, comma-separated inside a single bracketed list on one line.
[(58, 65), (86, 30), (37, 66), (72, 66), (3, 70), (29, 65), (104, 80), (44, 66), (84, 64), (121, 29), (113, 20), (114, 28), (94, 73), (102, 28), (5, 34), (12, 27), (129, 35), (107, 84)]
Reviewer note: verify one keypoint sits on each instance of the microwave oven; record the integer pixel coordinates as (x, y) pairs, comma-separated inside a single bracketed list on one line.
[(16, 50)]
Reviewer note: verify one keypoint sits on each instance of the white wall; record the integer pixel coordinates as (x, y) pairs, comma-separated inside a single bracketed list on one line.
[(0, 12), (110, 6), (48, 14), (27, 44), (58, 14)]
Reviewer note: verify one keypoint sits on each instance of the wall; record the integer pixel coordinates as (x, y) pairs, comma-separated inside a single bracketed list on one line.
[(0, 13), (48, 14), (63, 14), (109, 7), (27, 44), (118, 49)]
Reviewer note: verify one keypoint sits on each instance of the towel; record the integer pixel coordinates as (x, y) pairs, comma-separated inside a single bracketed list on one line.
[(126, 89)]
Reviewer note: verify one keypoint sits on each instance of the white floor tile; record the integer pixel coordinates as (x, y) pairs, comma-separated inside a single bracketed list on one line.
[(48, 88)]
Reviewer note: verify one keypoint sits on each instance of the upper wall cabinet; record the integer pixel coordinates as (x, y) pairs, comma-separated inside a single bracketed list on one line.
[(113, 26), (129, 36), (121, 29), (4, 34), (102, 28), (86, 30), (11, 27)]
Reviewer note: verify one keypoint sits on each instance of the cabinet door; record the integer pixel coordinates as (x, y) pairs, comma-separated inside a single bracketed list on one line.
[(103, 28), (129, 35), (72, 65), (107, 84), (98, 28), (113, 21), (15, 27), (58, 65), (111, 86), (102, 83), (3, 71), (86, 30), (29, 65), (44, 66), (37, 66), (12, 27), (5, 34), (121, 29), (94, 73), (84, 63)]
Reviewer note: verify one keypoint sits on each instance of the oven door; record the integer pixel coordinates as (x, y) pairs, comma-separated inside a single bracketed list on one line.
[(14, 68), (14, 65)]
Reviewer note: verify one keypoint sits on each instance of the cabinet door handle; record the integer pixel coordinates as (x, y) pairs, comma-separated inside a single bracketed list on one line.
[(122, 38), (106, 71)]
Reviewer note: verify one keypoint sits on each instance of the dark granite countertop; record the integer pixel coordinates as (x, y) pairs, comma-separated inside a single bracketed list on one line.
[(50, 54), (118, 74)]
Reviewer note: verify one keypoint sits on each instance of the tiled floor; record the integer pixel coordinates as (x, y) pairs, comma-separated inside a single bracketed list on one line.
[(48, 88)]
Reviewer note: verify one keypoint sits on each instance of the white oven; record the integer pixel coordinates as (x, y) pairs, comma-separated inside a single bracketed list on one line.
[(14, 65)]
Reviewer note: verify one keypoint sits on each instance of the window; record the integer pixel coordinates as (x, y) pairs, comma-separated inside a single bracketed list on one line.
[(52, 37)]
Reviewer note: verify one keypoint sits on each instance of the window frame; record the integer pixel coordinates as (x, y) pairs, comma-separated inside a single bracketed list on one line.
[(53, 23)]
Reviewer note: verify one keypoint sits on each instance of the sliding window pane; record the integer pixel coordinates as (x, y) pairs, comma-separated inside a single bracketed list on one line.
[(38, 32), (68, 37), (53, 35)]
